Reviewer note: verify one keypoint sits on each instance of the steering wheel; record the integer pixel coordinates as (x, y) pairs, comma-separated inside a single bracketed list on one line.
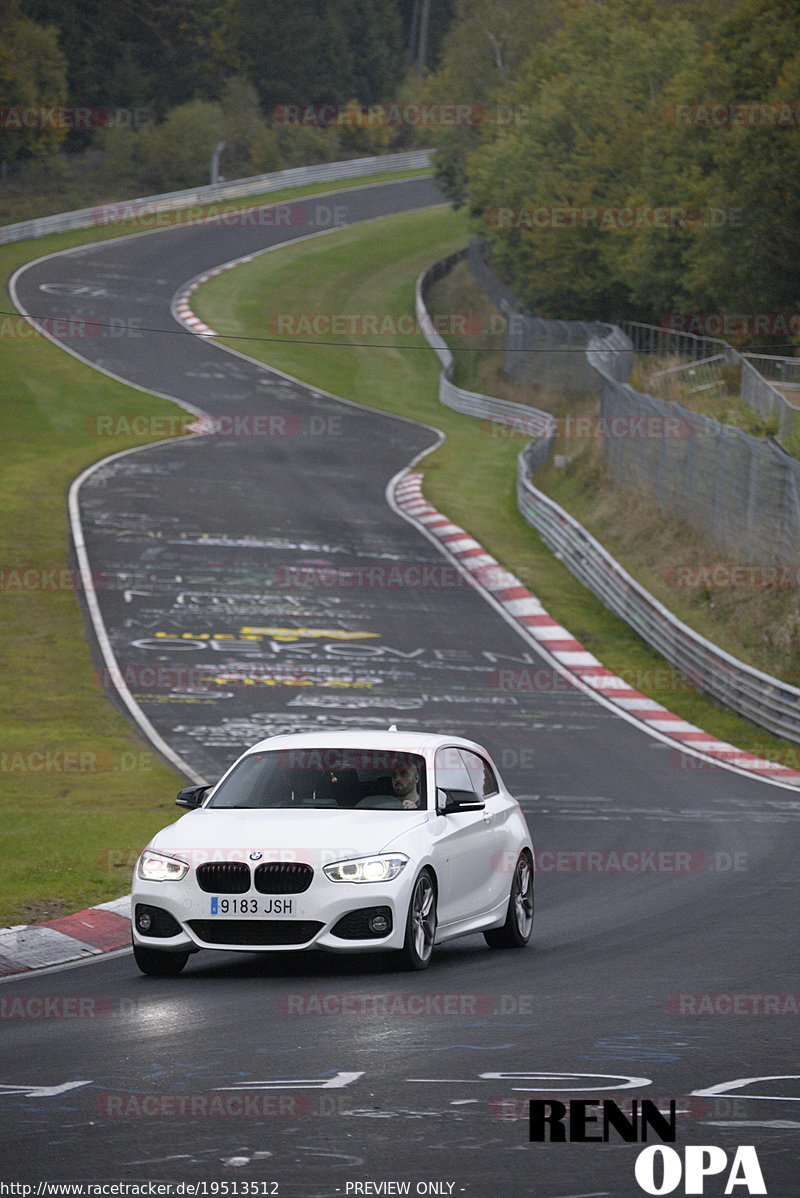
[(381, 802)]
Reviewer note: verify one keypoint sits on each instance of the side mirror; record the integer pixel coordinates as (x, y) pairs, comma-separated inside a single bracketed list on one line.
[(191, 796), (457, 800)]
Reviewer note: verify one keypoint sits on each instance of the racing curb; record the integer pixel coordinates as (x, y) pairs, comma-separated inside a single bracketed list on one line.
[(181, 308), (88, 933), (572, 657)]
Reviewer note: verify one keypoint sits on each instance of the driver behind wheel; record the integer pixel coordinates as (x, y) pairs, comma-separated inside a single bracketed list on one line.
[(405, 785)]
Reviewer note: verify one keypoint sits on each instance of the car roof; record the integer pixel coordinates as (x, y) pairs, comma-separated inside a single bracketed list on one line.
[(424, 743)]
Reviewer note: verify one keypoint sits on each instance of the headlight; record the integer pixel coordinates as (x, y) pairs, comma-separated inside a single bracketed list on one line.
[(366, 869), (156, 867)]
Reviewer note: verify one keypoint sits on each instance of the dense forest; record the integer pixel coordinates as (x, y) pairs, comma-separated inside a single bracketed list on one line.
[(165, 80), (622, 158), (638, 158)]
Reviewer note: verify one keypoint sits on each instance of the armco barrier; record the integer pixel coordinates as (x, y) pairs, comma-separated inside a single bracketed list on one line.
[(759, 697), (766, 701), (298, 176), (527, 419)]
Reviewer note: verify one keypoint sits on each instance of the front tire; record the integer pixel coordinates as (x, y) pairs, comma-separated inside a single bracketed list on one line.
[(516, 931), (158, 964), (420, 924)]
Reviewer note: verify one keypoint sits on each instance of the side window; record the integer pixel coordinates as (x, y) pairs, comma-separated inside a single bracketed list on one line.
[(451, 772), (481, 774)]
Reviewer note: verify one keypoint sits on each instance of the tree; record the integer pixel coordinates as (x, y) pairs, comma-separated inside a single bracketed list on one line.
[(176, 153), (375, 40), (750, 170), (133, 53), (585, 109), (440, 16), (251, 146), (483, 51), (32, 75), (294, 54)]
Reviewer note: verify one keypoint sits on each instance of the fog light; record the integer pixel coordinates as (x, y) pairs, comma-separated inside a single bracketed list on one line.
[(144, 921), (365, 923)]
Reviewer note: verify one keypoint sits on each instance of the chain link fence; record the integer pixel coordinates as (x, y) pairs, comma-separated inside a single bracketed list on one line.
[(546, 352), (741, 492), (769, 385), (772, 387), (767, 701), (658, 342)]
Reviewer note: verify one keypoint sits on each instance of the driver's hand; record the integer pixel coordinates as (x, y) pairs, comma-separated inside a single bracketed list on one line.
[(409, 804)]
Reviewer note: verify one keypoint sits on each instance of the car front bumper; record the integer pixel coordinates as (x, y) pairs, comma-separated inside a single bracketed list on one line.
[(308, 923)]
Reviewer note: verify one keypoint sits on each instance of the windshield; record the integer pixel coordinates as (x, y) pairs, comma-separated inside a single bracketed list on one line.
[(354, 779)]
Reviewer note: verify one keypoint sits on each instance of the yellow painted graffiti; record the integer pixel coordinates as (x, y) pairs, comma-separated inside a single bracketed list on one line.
[(238, 680), (295, 634), (276, 634)]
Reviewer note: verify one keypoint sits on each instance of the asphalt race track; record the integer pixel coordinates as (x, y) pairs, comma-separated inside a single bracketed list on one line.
[(254, 1069)]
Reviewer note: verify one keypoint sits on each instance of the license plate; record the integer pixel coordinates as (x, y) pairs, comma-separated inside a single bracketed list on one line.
[(252, 906)]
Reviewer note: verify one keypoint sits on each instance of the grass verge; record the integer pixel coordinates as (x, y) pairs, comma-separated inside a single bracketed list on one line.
[(80, 792), (471, 477)]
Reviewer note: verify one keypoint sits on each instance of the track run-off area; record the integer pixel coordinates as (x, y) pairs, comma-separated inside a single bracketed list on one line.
[(314, 1072)]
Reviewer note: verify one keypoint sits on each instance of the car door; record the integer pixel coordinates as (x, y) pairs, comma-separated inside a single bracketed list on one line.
[(467, 845), (496, 815)]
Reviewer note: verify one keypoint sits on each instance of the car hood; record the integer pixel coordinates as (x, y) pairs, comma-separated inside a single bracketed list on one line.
[(233, 834)]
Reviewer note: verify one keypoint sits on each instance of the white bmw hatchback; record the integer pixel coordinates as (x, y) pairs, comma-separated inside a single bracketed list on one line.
[(345, 841)]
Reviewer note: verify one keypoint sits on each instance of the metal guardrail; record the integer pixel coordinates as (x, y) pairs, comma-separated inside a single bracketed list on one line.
[(759, 697), (766, 701), (529, 420), (297, 176)]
